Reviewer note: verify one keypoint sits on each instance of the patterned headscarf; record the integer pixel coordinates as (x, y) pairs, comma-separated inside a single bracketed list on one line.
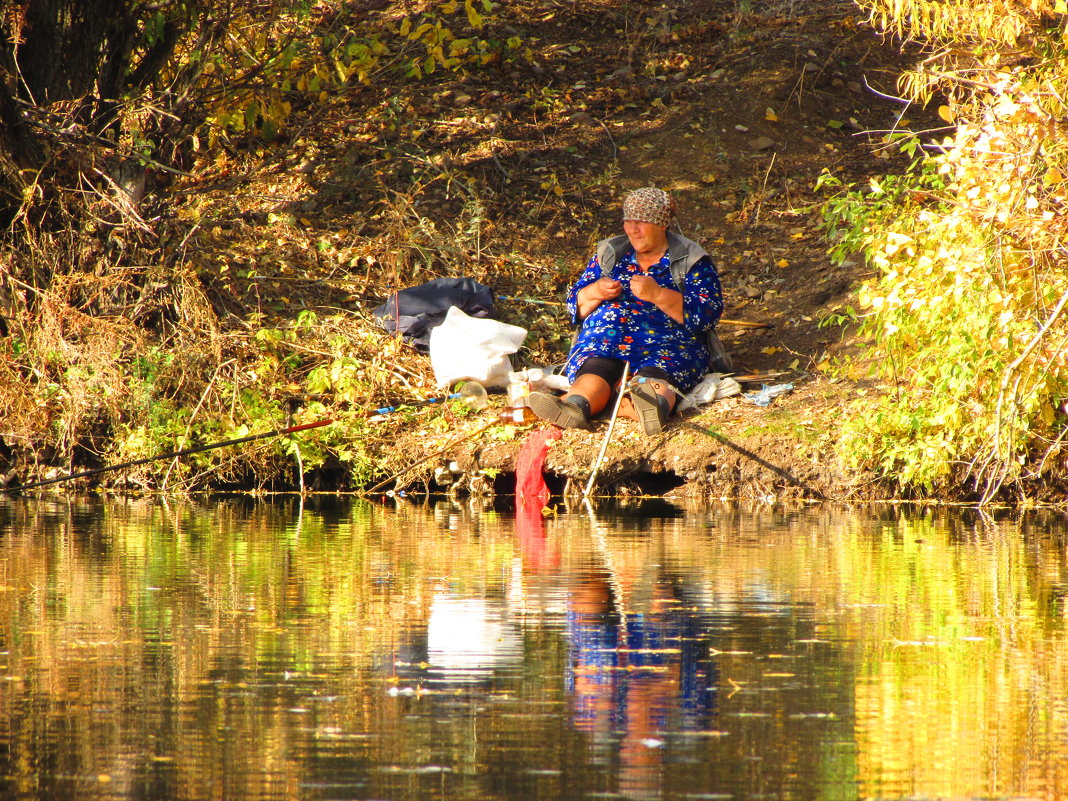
[(650, 205)]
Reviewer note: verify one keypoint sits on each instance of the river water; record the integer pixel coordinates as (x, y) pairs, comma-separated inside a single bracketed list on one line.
[(339, 649)]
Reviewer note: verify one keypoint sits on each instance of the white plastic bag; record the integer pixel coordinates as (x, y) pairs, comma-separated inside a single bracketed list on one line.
[(473, 348), (711, 388)]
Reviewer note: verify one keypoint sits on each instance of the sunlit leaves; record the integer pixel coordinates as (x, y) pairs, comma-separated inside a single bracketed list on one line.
[(952, 308), (954, 21), (962, 243), (273, 60), (434, 30)]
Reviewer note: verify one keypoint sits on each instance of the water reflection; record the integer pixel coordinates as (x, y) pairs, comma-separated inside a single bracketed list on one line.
[(247, 650), (636, 678), (467, 639)]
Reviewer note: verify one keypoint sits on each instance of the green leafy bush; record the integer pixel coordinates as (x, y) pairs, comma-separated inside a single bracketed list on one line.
[(964, 319)]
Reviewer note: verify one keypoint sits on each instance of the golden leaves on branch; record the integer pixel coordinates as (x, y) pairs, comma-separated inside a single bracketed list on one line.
[(259, 77), (961, 243), (957, 21)]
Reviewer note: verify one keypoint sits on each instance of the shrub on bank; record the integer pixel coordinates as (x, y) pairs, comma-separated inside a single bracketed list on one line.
[(965, 317)]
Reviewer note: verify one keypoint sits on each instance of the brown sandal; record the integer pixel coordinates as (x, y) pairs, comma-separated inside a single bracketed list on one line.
[(556, 410), (650, 408)]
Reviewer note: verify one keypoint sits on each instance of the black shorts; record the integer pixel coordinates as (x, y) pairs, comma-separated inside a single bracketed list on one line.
[(611, 370)]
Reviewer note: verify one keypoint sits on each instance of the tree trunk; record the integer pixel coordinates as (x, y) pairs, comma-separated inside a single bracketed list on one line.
[(72, 49)]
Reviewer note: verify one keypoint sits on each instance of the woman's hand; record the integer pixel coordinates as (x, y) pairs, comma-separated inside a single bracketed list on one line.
[(605, 288), (592, 295), (645, 288), (667, 300)]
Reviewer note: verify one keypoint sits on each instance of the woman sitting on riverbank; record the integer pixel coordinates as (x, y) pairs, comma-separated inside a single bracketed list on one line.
[(633, 310)]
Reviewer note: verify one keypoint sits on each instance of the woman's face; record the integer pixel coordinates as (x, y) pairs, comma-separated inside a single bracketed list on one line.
[(645, 237)]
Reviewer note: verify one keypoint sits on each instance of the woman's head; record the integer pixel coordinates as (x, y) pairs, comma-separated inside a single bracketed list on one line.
[(650, 205), (647, 213)]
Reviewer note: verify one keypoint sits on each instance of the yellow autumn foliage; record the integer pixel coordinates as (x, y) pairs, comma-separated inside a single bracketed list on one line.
[(966, 314)]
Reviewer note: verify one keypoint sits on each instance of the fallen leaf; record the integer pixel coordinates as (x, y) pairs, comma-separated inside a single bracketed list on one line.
[(769, 350), (770, 115)]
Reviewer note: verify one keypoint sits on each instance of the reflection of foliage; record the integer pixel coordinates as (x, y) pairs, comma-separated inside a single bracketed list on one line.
[(911, 636), (233, 608), (963, 616), (966, 316)]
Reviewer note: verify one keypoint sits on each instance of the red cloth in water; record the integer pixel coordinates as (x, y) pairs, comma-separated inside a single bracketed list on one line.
[(531, 496), (530, 486)]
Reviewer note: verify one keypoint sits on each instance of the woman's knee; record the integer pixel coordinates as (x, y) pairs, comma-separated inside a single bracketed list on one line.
[(611, 370), (653, 373)]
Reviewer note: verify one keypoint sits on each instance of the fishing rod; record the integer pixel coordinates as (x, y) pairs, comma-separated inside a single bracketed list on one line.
[(472, 393), (173, 454)]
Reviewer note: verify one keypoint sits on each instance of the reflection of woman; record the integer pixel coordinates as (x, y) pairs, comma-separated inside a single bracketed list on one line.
[(634, 677), (645, 299)]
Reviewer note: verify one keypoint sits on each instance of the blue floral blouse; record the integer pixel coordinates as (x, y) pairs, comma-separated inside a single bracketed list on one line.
[(638, 331)]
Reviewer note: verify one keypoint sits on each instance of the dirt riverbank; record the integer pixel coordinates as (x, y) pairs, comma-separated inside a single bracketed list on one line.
[(508, 172), (768, 99)]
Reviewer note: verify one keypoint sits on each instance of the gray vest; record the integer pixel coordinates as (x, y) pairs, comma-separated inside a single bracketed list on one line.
[(685, 253)]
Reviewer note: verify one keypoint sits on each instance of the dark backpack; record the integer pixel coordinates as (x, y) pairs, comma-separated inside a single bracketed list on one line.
[(414, 311)]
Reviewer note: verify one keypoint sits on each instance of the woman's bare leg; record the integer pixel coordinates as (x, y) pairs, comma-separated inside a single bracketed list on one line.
[(593, 388)]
